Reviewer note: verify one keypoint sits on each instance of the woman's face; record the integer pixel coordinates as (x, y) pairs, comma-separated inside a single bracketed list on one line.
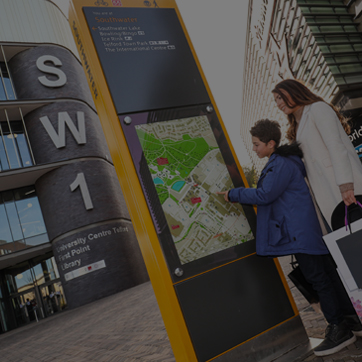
[(282, 105)]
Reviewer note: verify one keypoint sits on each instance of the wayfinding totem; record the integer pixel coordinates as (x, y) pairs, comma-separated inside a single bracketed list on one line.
[(172, 154)]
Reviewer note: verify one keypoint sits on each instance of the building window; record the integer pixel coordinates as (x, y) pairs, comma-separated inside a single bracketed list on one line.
[(21, 220), (14, 146), (6, 87)]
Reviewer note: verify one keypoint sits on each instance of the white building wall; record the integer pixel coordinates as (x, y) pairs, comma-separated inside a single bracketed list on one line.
[(33, 22)]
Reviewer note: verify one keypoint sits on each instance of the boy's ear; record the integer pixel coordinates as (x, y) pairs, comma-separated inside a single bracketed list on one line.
[(271, 144)]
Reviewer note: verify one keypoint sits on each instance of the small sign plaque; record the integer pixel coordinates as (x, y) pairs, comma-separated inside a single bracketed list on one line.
[(84, 270)]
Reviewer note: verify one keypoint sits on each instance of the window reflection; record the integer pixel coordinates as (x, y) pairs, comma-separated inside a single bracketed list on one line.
[(2, 92), (37, 240), (46, 271), (14, 148), (6, 89), (12, 215), (4, 164), (24, 280), (21, 221), (39, 274), (29, 212), (5, 233), (24, 150)]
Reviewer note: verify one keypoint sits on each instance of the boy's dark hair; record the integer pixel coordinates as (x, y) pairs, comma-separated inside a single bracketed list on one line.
[(267, 130)]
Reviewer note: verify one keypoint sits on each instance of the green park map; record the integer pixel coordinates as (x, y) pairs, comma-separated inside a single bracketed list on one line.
[(187, 169)]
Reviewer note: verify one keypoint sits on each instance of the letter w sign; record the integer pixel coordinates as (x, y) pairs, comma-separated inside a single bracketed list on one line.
[(64, 119)]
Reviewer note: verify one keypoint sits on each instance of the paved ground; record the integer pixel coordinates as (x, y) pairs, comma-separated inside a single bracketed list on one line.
[(126, 327), (315, 325)]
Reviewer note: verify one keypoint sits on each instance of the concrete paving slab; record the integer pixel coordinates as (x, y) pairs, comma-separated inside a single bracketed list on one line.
[(127, 327), (124, 327)]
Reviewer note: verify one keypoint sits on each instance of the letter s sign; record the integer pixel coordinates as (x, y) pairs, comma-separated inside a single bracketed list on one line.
[(62, 78)]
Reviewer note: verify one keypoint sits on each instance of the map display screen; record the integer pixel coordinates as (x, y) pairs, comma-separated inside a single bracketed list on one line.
[(187, 169)]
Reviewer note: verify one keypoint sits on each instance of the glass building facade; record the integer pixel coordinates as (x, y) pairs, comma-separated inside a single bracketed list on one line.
[(15, 151), (58, 218), (21, 220), (30, 291), (316, 41)]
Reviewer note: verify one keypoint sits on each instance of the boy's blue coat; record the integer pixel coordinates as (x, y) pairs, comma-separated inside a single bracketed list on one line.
[(287, 222)]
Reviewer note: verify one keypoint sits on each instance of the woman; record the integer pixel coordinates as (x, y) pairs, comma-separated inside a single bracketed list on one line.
[(333, 167), (334, 173)]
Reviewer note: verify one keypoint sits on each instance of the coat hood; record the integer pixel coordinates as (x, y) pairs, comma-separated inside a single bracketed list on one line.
[(292, 149), (294, 153)]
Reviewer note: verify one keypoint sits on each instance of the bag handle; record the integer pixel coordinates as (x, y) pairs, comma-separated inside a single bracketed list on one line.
[(347, 221), (293, 263)]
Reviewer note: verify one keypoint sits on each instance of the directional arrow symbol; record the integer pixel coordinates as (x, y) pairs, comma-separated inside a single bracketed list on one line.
[(94, 28)]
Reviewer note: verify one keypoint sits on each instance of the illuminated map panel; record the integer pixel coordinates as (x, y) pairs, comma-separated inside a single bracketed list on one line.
[(188, 169)]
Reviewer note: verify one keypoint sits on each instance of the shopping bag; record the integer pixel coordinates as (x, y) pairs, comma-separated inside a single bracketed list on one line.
[(345, 246), (306, 289)]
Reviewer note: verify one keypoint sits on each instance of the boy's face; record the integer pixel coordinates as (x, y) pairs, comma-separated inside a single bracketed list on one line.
[(262, 149)]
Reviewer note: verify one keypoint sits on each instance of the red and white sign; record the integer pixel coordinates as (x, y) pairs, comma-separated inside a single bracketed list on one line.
[(84, 270), (116, 3)]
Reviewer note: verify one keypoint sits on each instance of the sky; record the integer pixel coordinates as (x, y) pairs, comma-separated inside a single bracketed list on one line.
[(217, 29)]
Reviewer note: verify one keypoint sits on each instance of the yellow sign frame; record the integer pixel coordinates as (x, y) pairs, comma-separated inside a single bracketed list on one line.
[(136, 203)]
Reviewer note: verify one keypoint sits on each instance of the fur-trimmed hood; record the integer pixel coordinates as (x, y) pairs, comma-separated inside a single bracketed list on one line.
[(292, 152), (292, 149)]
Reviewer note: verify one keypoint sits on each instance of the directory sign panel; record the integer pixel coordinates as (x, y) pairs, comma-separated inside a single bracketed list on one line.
[(145, 57)]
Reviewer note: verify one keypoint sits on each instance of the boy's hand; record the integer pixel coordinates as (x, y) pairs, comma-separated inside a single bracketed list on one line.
[(226, 195)]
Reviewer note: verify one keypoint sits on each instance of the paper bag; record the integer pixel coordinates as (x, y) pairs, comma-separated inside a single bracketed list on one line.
[(345, 245)]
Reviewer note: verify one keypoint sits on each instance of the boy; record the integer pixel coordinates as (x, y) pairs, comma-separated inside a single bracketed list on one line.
[(287, 224)]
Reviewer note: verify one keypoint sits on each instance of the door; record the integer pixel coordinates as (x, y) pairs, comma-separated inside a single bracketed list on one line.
[(25, 307), (53, 298)]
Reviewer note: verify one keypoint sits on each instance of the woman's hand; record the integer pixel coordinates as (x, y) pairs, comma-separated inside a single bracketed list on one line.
[(348, 197), (226, 195)]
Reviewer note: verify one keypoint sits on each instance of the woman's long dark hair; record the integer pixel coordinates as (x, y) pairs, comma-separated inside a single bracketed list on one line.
[(302, 96)]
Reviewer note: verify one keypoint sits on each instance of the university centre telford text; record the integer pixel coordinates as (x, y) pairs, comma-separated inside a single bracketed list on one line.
[(80, 246)]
